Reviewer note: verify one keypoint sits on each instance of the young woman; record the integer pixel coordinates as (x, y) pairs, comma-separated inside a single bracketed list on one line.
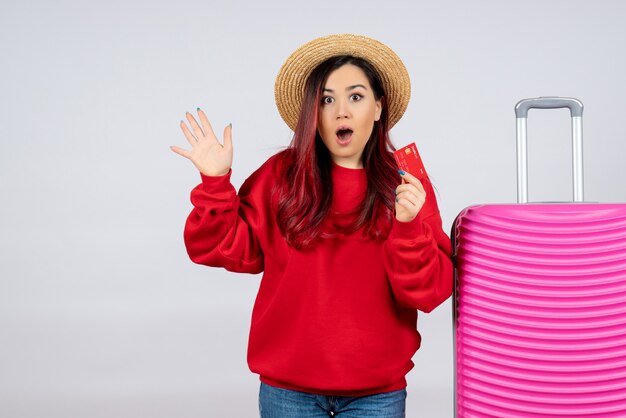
[(350, 247)]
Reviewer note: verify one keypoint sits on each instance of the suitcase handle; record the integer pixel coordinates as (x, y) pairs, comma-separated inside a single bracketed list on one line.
[(521, 114), (523, 106)]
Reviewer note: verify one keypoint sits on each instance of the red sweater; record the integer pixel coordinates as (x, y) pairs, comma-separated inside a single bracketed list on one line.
[(338, 319)]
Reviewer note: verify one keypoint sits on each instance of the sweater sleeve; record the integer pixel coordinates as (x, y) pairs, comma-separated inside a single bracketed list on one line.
[(220, 230), (417, 258)]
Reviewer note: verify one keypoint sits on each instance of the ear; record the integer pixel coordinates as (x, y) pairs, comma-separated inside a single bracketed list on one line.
[(379, 109)]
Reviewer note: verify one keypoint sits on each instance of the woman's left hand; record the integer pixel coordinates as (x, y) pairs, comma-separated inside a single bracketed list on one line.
[(410, 197)]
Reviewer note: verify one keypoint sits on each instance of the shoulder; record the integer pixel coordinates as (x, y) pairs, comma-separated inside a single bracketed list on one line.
[(272, 170), (274, 166)]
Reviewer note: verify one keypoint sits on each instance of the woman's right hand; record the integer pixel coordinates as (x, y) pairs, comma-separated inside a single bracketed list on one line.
[(207, 154)]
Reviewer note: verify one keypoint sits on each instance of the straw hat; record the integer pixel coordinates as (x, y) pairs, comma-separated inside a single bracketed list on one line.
[(289, 87)]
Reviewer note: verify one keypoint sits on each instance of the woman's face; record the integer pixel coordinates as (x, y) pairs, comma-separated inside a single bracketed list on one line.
[(347, 115)]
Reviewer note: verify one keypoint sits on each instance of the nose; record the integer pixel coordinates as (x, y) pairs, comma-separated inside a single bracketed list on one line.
[(342, 109)]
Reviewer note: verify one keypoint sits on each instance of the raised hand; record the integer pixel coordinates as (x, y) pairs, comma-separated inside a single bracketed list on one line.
[(410, 197), (207, 154)]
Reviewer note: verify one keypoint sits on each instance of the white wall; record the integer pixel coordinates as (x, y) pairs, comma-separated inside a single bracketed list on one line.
[(101, 312)]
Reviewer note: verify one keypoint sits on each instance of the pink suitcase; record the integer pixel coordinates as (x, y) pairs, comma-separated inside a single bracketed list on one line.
[(540, 300)]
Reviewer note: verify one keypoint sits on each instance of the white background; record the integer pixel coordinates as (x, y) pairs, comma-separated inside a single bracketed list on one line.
[(101, 312)]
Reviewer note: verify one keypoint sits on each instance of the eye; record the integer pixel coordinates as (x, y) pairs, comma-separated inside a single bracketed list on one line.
[(327, 100), (356, 97)]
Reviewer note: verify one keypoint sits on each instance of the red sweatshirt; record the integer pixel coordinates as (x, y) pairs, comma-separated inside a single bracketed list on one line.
[(338, 319)]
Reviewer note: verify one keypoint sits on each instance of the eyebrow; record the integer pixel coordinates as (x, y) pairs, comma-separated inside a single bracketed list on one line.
[(349, 88)]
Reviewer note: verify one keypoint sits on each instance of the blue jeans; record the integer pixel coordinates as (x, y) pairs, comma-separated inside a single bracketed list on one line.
[(283, 403)]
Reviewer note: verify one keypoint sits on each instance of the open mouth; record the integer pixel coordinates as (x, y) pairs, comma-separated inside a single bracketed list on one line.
[(344, 136)]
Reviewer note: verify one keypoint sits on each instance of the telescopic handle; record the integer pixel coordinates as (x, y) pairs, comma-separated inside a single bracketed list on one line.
[(523, 106), (521, 113)]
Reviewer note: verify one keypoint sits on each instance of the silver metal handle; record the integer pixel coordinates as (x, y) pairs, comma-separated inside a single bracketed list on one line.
[(521, 114), (523, 106)]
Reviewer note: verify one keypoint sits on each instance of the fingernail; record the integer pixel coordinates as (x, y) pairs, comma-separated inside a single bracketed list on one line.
[(397, 199), (402, 173), (230, 125), (198, 109)]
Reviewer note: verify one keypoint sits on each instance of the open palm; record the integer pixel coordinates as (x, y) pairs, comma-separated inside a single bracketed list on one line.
[(209, 156)]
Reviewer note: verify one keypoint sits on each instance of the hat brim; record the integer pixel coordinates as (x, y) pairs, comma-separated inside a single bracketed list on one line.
[(289, 87)]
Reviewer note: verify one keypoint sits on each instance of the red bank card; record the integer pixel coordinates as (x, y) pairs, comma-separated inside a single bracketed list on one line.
[(408, 159)]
